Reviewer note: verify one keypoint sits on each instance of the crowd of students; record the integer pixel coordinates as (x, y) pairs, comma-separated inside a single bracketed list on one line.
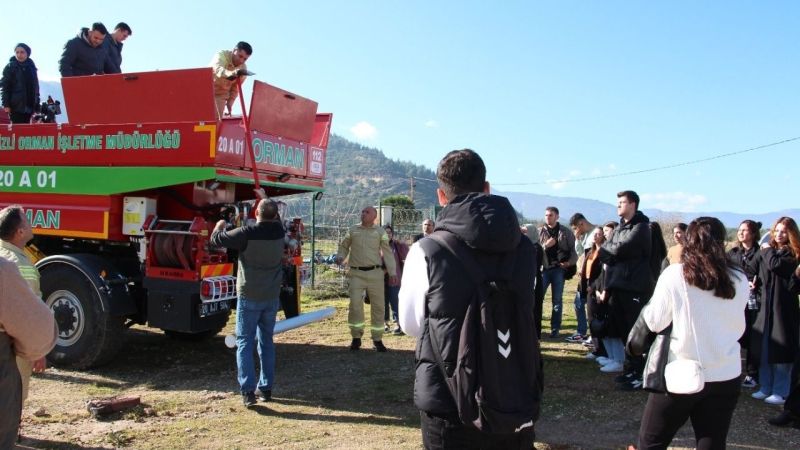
[(772, 316)]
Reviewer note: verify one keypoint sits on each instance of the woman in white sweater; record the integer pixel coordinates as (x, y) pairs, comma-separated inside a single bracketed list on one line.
[(703, 298)]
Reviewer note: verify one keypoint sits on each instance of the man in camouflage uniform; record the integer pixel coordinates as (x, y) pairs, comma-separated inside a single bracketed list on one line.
[(229, 66), (364, 244), (15, 233)]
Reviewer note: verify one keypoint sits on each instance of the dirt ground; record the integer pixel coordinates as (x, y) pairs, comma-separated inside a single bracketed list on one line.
[(325, 397)]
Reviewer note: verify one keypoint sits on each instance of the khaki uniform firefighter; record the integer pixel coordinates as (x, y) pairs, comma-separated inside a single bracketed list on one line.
[(362, 246), (30, 273)]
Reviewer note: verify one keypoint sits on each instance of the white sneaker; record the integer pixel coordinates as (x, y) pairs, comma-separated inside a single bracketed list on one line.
[(602, 360), (590, 356), (775, 400), (612, 367), (758, 395)]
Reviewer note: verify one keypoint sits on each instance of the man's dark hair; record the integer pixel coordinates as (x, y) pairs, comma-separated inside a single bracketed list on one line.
[(99, 27), (124, 27), (576, 219), (10, 221), (630, 196), (267, 210), (245, 47), (553, 209), (461, 172)]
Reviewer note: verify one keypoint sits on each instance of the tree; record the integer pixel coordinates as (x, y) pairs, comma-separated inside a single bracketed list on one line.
[(398, 201)]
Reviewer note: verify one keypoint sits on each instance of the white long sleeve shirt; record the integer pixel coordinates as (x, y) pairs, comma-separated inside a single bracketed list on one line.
[(413, 288), (711, 325)]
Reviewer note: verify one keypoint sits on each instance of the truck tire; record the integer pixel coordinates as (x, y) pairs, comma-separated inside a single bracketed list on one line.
[(87, 335)]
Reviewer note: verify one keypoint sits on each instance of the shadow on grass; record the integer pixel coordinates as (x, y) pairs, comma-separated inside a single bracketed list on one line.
[(374, 387), (33, 443), (265, 410)]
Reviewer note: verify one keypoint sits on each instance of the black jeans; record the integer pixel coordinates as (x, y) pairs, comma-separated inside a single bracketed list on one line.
[(438, 433), (710, 411), (793, 400), (625, 309)]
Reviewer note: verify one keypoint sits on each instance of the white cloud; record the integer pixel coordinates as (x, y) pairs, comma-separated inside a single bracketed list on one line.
[(574, 173), (612, 166), (557, 184), (364, 131), (431, 124), (674, 201)]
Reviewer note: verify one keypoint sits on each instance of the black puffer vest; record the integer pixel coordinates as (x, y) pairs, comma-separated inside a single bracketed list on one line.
[(488, 225)]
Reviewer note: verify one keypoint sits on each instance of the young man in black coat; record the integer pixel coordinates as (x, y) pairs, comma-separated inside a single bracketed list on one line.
[(113, 45), (84, 54), (629, 278)]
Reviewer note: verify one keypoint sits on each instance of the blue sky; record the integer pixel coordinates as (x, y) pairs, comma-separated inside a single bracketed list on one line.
[(544, 91)]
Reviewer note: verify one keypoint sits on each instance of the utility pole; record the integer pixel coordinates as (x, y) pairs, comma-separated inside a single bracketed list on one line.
[(412, 189)]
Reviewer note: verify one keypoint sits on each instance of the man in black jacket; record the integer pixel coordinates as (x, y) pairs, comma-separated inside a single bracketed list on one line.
[(435, 293), (559, 248), (258, 283), (628, 275), (113, 47), (84, 54)]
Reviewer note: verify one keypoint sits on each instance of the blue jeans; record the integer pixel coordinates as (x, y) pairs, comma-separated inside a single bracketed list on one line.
[(255, 320), (773, 378), (580, 314), (390, 299), (555, 276)]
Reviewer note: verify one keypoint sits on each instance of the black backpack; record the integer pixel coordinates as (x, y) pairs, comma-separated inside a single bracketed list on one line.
[(497, 380)]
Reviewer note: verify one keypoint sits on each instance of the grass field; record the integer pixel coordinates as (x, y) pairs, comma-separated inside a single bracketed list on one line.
[(325, 397)]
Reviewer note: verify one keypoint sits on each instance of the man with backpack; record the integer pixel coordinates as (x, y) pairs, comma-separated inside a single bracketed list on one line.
[(468, 296)]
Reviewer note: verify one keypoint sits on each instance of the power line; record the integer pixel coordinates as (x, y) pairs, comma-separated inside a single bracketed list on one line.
[(652, 169)]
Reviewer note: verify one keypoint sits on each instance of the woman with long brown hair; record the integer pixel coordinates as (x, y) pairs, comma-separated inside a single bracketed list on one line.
[(744, 253), (775, 333), (703, 298)]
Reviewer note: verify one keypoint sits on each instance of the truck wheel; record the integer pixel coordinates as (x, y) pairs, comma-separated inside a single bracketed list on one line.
[(87, 335)]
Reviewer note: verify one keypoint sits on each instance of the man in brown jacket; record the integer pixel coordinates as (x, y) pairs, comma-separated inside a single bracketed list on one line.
[(15, 233), (229, 68), (27, 330)]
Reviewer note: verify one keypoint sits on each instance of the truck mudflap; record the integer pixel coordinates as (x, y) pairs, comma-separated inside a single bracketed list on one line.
[(180, 306)]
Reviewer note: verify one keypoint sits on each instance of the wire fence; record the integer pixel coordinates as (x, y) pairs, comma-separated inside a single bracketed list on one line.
[(321, 276)]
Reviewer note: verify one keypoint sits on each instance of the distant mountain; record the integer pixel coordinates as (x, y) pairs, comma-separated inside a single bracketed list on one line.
[(365, 174), (731, 220), (533, 205)]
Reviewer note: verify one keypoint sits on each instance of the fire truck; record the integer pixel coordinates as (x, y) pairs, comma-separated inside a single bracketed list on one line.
[(123, 199)]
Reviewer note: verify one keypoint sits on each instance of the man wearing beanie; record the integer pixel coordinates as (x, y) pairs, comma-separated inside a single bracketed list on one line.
[(84, 54), (20, 86)]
